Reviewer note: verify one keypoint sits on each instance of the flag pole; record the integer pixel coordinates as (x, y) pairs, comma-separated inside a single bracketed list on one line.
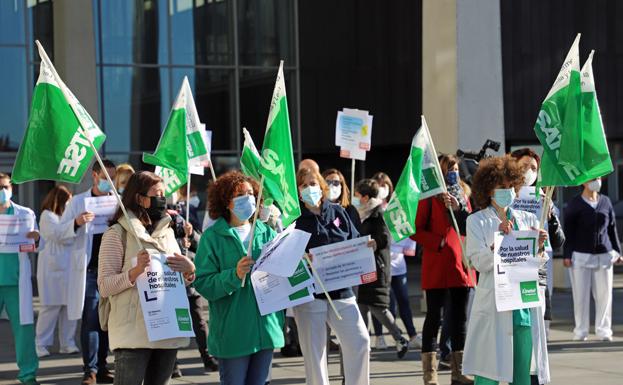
[(549, 191), (252, 234), (212, 171), (188, 197), (352, 179), (324, 289)]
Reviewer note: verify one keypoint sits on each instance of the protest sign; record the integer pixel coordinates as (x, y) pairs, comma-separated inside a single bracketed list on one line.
[(345, 264), (13, 230), (162, 294), (528, 201), (104, 208), (283, 254), (515, 271), (353, 133), (273, 292)]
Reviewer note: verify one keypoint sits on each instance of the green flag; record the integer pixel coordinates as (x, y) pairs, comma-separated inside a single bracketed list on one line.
[(277, 162), (250, 158), (420, 179), (55, 145)]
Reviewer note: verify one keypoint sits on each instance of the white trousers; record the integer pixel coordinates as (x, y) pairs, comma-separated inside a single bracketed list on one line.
[(311, 319), (598, 281), (46, 324)]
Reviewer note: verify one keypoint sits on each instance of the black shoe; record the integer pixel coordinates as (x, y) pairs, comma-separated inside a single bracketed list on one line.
[(104, 376), (177, 372), (402, 347), (333, 346), (210, 364), (290, 351), (444, 364)]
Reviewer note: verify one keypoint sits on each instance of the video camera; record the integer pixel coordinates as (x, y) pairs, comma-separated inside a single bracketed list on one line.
[(470, 159)]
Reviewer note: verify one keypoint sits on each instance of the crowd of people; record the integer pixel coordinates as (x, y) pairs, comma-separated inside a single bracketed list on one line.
[(91, 278)]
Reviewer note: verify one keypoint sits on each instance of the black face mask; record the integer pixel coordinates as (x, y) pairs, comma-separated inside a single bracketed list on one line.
[(157, 208)]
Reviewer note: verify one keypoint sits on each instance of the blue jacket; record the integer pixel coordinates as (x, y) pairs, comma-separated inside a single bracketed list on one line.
[(331, 226), (590, 230)]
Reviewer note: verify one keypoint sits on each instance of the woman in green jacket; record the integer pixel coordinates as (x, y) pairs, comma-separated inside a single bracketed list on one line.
[(241, 338)]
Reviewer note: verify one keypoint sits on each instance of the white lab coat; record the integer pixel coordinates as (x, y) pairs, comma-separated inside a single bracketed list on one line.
[(489, 344), (26, 312), (80, 255), (53, 271)]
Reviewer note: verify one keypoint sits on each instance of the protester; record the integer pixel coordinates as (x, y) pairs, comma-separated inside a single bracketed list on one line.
[(84, 300), (16, 291), (329, 223), (340, 193), (591, 249), (310, 164), (121, 261), (53, 275), (241, 338), (193, 203), (373, 297), (123, 173), (399, 294), (501, 346), (530, 162), (443, 271)]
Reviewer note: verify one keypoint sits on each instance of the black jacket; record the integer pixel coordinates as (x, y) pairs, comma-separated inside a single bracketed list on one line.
[(331, 226), (377, 293), (590, 230)]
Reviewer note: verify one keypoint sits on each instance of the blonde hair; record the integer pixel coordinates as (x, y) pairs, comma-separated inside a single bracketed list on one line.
[(123, 172), (344, 199), (305, 172)]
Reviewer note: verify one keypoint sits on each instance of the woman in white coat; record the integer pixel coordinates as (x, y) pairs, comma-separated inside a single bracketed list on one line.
[(53, 274), (504, 346)]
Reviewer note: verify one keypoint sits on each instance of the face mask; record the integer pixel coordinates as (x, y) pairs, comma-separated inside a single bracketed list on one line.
[(244, 207), (311, 195), (157, 208), (452, 177), (104, 186), (594, 185), (357, 202), (529, 177), (194, 201), (120, 190), (504, 197), (264, 214), (5, 195), (335, 192), (383, 192)]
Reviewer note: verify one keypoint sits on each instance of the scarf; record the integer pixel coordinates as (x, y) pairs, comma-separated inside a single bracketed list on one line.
[(457, 191), (365, 210)]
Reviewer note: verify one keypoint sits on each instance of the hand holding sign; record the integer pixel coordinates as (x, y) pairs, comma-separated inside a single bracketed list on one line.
[(142, 261), (84, 217), (244, 266)]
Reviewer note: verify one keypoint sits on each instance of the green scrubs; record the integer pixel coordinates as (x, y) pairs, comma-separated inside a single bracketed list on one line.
[(24, 335)]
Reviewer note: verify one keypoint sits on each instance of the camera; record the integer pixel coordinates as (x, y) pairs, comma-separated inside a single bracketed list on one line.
[(470, 159)]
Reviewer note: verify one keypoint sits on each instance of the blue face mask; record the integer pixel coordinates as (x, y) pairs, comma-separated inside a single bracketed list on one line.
[(5, 195), (104, 186), (356, 202), (311, 195), (504, 197), (452, 177), (244, 207)]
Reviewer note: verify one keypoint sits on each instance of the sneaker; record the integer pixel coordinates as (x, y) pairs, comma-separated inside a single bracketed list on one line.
[(580, 338), (104, 376), (607, 339), (415, 342), (177, 372), (89, 378), (73, 349), (402, 347), (290, 351), (334, 346), (379, 343), (210, 364), (42, 351)]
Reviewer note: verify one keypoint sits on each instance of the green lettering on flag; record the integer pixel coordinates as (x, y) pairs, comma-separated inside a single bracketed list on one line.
[(54, 146), (277, 160)]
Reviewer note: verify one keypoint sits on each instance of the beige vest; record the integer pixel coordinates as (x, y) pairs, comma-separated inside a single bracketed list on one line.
[(126, 326)]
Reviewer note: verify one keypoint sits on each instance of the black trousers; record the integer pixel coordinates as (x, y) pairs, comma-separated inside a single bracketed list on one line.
[(435, 300), (200, 326)]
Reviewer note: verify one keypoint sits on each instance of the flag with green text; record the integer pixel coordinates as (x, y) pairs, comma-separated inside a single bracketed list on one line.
[(56, 142)]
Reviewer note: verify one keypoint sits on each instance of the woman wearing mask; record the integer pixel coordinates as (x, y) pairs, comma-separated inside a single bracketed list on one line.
[(529, 161), (329, 223), (241, 338), (340, 193), (443, 271), (592, 247), (53, 274), (122, 175), (193, 202), (399, 294), (501, 346), (121, 261), (373, 297)]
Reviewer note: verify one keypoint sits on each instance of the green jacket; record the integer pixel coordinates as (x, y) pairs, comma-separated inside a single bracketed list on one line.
[(236, 327)]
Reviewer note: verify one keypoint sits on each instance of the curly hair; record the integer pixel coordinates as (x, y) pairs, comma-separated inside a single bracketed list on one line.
[(223, 191), (494, 172)]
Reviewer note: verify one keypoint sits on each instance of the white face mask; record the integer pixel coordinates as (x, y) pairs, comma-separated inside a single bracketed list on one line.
[(335, 192), (383, 192), (529, 177), (194, 201), (594, 185)]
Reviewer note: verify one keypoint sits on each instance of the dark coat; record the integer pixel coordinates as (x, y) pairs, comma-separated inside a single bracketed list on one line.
[(377, 293)]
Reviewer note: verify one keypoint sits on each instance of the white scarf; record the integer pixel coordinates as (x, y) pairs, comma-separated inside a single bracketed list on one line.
[(366, 209)]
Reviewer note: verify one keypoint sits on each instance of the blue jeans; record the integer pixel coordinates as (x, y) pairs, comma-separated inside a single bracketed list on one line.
[(246, 370), (398, 295), (94, 341)]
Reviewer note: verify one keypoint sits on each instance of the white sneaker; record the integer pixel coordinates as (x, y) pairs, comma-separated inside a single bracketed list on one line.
[(42, 351), (580, 338), (607, 339), (379, 343), (72, 349), (415, 342)]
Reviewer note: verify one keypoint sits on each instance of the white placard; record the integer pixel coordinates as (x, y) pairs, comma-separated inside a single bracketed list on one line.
[(353, 129), (527, 201), (352, 153), (283, 254), (515, 271), (274, 293), (104, 208), (13, 230), (162, 293), (345, 264)]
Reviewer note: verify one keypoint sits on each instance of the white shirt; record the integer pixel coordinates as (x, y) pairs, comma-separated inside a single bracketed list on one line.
[(243, 232)]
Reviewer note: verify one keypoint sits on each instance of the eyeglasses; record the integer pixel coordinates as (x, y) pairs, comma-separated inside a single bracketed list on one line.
[(334, 182)]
